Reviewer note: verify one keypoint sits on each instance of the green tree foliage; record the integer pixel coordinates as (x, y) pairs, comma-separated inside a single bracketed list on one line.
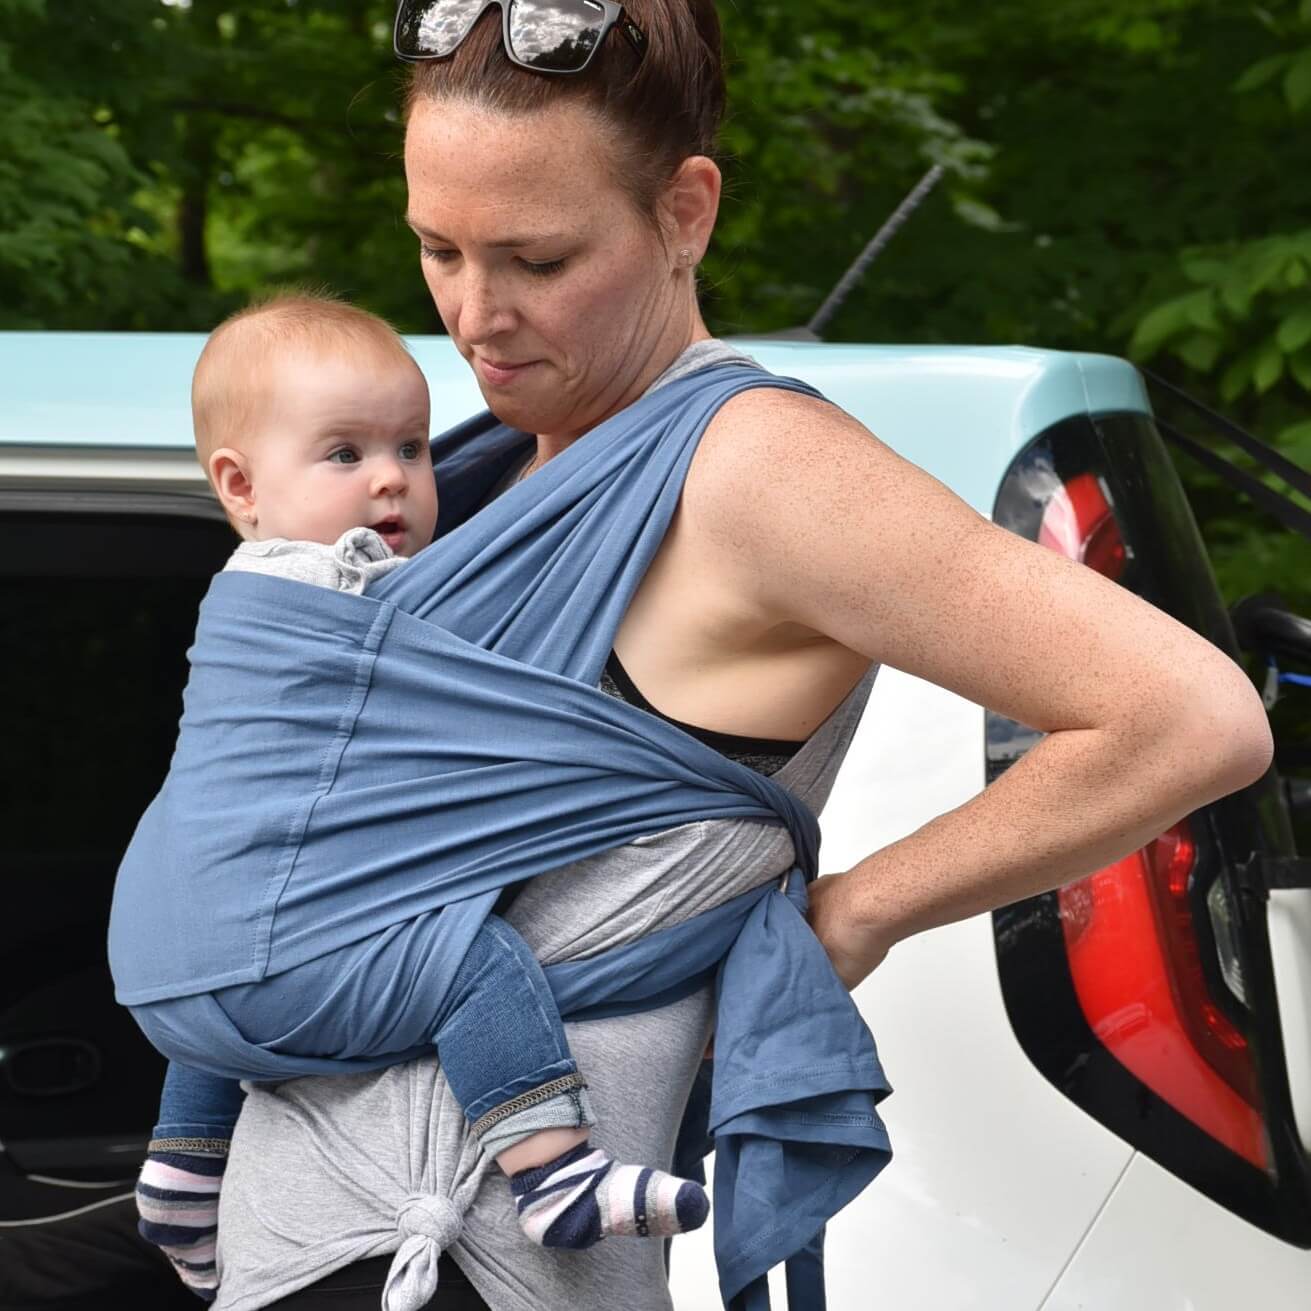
[(833, 116), (68, 228), (161, 162), (1233, 310)]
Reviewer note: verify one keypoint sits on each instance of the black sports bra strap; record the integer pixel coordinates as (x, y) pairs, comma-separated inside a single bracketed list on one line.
[(763, 754)]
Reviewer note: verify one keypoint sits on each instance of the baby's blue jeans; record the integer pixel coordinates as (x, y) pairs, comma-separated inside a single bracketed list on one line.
[(497, 1031)]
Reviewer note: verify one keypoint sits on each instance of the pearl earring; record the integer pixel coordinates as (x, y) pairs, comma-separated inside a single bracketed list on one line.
[(685, 257)]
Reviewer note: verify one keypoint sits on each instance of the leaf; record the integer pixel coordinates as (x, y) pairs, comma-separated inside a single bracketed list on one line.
[(1295, 331), (1142, 35), (1299, 366), (1203, 268), (1266, 70), (1236, 294), (980, 215), (1297, 83), (1297, 434), (1158, 326), (1269, 259), (1199, 351), (1236, 377), (1268, 368), (1201, 311)]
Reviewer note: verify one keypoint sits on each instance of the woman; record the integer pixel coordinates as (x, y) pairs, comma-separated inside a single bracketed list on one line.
[(560, 219)]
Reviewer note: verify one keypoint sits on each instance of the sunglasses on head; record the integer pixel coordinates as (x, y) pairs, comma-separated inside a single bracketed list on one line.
[(543, 36)]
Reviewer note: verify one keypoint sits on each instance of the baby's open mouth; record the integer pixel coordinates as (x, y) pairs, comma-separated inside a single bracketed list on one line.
[(391, 530)]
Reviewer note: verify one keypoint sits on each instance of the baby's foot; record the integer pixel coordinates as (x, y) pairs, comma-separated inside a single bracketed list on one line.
[(177, 1201), (584, 1196)]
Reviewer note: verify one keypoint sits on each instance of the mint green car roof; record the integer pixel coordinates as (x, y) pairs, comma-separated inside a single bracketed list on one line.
[(961, 412)]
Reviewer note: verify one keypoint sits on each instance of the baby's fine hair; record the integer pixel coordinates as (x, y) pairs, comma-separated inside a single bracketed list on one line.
[(235, 367)]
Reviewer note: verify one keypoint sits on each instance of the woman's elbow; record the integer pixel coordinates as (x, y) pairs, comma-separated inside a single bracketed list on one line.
[(1247, 747), (1220, 733)]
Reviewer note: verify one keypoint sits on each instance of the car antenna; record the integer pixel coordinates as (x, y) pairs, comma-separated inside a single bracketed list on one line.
[(814, 330)]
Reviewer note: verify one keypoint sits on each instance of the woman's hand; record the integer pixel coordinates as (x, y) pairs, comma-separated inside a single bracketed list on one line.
[(856, 950)]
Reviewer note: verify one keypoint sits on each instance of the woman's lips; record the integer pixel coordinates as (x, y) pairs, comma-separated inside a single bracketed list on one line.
[(501, 373)]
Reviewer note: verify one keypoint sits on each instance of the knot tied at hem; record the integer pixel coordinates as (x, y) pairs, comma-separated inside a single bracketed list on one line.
[(428, 1225), (429, 1217)]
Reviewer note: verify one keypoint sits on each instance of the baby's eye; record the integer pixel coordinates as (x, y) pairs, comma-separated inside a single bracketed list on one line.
[(344, 455), (412, 450)]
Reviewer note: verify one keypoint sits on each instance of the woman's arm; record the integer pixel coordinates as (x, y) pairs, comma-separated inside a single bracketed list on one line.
[(819, 524)]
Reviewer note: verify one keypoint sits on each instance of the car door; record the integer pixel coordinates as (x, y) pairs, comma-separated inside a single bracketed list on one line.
[(99, 587)]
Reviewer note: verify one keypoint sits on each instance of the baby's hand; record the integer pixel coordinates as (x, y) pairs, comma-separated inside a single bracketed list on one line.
[(177, 1201)]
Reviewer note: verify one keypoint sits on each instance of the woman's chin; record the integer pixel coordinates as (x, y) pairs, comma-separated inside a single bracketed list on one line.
[(511, 414), (517, 411)]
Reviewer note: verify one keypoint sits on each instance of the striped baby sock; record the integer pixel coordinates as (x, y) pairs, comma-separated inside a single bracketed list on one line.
[(177, 1201), (584, 1196)]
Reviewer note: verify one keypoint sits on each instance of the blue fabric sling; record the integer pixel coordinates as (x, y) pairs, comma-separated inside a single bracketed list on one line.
[(443, 737)]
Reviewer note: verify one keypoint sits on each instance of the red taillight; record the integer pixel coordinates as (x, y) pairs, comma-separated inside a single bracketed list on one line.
[(1078, 522), (1129, 932), (1143, 993), (1137, 972)]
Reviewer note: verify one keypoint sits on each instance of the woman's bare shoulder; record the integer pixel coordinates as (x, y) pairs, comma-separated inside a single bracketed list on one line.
[(818, 523), (781, 464), (778, 422)]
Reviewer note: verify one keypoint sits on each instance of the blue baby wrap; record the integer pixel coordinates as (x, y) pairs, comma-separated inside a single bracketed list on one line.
[(346, 763)]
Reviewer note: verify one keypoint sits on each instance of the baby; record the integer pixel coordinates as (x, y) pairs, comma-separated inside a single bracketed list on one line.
[(311, 422)]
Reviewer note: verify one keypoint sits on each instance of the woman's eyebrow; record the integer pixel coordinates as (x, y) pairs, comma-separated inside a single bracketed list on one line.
[(533, 239)]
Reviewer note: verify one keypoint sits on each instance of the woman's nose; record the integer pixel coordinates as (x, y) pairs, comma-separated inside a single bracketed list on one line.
[(483, 311)]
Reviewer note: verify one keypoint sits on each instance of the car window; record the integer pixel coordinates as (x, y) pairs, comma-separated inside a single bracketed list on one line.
[(97, 613)]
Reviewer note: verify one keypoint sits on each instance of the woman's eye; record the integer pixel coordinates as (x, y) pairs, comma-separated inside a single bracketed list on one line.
[(543, 268), (344, 455), (441, 254)]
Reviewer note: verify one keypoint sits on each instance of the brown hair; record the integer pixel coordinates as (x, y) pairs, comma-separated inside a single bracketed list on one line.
[(660, 108), (226, 388)]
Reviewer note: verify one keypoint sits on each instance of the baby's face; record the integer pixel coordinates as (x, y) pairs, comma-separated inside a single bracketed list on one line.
[(343, 443)]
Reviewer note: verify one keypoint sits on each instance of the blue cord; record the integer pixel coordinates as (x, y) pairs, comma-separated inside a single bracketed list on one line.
[(1274, 678)]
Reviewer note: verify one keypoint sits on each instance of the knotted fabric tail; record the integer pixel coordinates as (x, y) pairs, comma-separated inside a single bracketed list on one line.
[(428, 1227)]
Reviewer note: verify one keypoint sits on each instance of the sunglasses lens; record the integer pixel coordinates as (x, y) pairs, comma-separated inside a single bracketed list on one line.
[(434, 28), (556, 36)]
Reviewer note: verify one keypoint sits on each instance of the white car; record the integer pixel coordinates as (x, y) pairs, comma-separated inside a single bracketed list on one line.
[(1102, 1095)]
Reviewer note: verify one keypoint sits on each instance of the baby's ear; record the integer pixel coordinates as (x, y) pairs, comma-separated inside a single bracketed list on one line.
[(229, 473)]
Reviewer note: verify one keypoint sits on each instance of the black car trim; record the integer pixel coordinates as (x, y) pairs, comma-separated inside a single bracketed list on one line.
[(1037, 987)]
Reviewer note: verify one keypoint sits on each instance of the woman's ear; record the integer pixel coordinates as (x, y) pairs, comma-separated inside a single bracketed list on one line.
[(229, 474), (690, 206)]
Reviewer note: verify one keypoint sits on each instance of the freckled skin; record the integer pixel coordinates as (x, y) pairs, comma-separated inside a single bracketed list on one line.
[(804, 549)]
